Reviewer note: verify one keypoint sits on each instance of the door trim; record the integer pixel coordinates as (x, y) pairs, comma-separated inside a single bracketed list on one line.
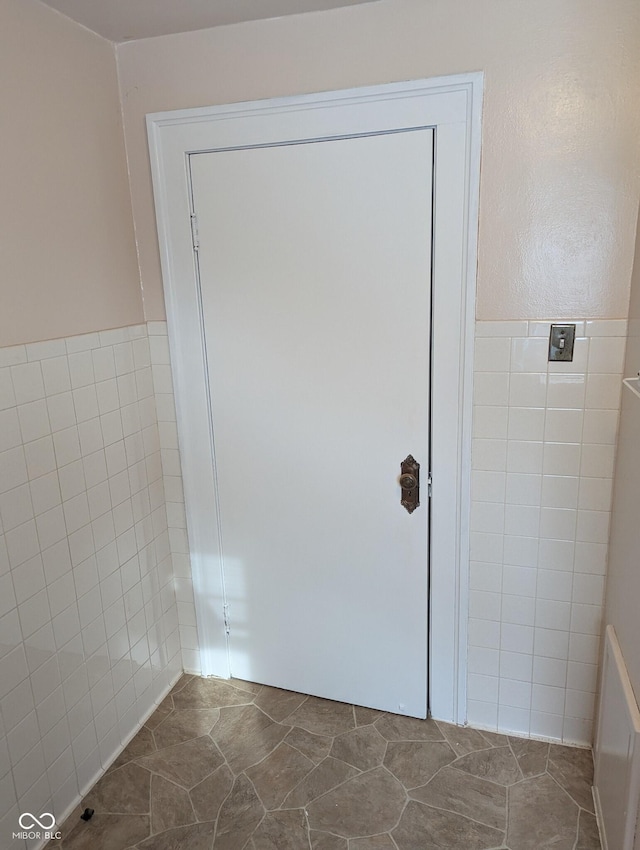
[(452, 105)]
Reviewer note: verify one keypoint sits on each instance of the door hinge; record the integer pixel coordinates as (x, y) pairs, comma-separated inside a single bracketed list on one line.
[(429, 483), (195, 237), (225, 612)]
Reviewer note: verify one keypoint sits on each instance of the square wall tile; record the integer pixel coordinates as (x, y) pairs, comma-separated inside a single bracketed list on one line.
[(78, 427), (566, 391), (558, 523), (483, 715), (481, 687), (62, 413), (492, 354), (603, 391), (16, 507), (28, 383), (524, 456), (548, 699), (520, 551), (13, 469), (515, 693), (591, 558), (484, 633), (519, 610), (10, 435), (487, 486), (522, 520), (560, 491), (540, 517), (488, 422), (519, 581), (606, 354), (484, 605), (516, 666), (555, 585), (593, 527), (485, 516), (584, 648), (523, 488), (556, 554), (563, 426), (512, 719), (553, 614), (527, 389), (517, 638), (489, 388), (528, 354), (526, 423), (551, 672), (7, 395), (595, 494), (483, 576), (562, 459)]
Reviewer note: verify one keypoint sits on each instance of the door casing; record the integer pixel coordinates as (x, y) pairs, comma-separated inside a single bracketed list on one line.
[(452, 106)]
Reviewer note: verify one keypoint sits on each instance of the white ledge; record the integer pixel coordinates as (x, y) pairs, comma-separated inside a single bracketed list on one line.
[(633, 384)]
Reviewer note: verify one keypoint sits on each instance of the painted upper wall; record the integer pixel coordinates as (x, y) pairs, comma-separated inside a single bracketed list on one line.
[(560, 178), (68, 261)]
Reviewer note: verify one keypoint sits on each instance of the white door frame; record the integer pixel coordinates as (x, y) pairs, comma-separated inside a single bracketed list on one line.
[(452, 106)]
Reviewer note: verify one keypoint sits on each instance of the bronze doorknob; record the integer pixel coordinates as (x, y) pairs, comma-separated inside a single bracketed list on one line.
[(408, 481)]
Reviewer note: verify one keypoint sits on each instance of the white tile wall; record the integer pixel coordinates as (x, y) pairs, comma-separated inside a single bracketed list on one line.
[(89, 637), (542, 465), (172, 473), (543, 452)]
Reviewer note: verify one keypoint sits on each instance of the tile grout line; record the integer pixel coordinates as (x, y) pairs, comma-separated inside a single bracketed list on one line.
[(350, 839)]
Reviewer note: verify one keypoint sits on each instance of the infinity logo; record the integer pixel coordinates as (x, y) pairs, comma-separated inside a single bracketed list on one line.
[(23, 820)]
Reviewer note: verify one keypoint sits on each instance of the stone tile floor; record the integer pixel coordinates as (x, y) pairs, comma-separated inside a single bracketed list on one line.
[(236, 766)]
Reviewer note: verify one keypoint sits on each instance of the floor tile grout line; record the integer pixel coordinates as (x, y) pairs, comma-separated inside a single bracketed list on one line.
[(273, 719), (575, 843), (306, 820), (253, 831), (568, 793), (514, 756), (484, 778), (507, 743), (527, 778), (392, 774), (459, 814), (162, 776), (344, 782), (269, 754), (293, 747), (222, 802), (401, 815), (395, 843), (368, 835), (548, 757), (150, 811)]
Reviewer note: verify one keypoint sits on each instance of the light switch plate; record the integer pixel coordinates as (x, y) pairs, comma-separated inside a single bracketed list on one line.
[(561, 339)]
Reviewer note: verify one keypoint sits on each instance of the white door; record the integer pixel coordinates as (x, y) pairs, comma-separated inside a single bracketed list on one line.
[(315, 273)]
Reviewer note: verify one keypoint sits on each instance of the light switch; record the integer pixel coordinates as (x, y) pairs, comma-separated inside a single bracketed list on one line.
[(561, 339)]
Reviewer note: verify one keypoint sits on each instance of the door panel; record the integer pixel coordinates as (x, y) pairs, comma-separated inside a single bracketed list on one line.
[(315, 267)]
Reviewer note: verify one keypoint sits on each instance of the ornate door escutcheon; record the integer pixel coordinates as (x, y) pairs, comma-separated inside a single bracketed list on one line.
[(409, 481)]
